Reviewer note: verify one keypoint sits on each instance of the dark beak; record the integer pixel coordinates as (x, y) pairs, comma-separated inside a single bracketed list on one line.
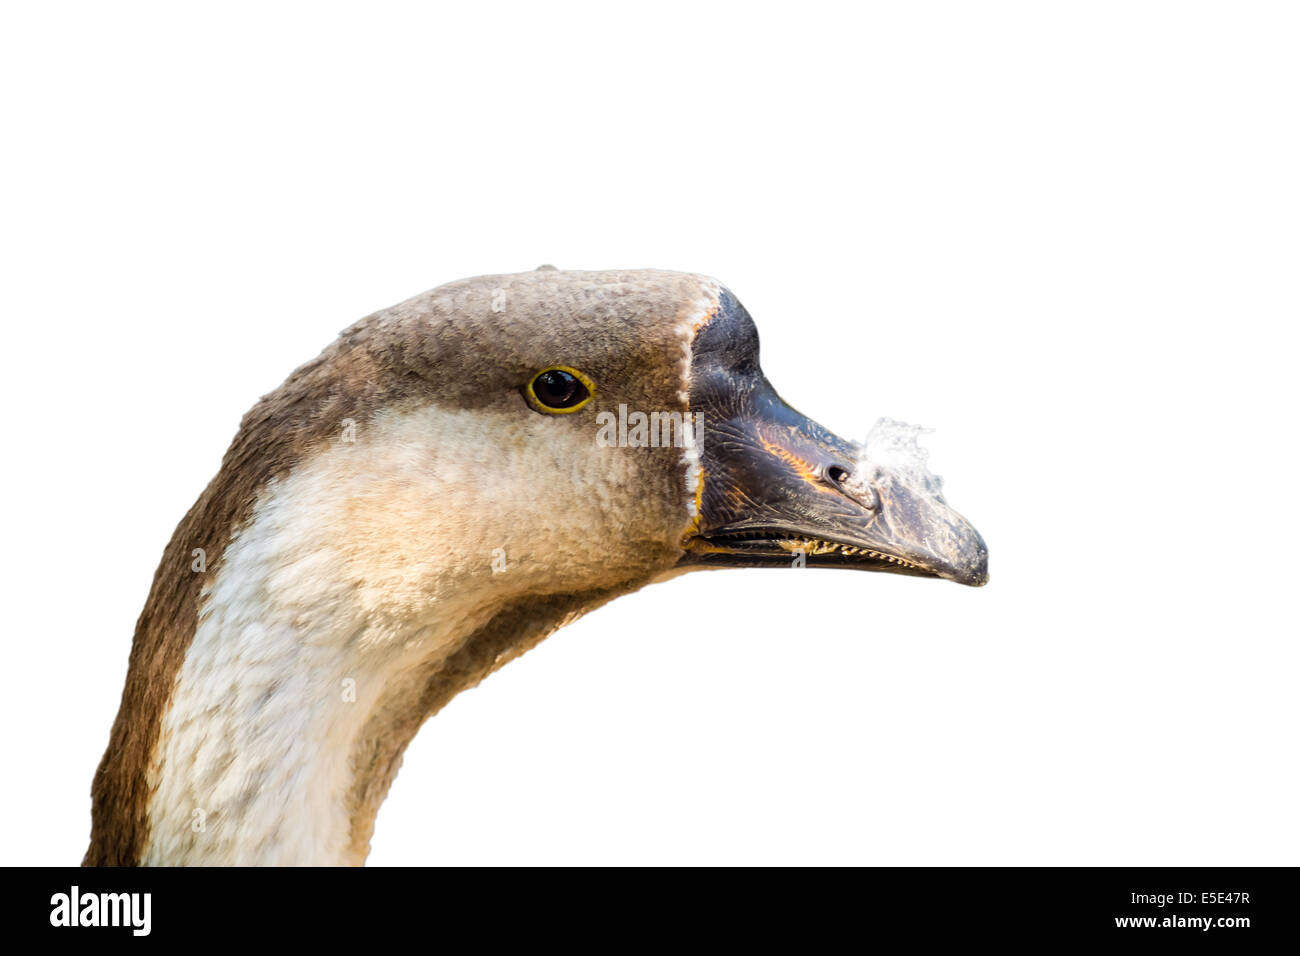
[(779, 490)]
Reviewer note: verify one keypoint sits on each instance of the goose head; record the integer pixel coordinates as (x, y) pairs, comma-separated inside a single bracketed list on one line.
[(452, 480)]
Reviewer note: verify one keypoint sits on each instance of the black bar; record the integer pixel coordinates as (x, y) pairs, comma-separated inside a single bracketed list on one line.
[(1231, 907)]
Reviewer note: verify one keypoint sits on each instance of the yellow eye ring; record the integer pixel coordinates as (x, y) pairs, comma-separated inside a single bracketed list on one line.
[(559, 390)]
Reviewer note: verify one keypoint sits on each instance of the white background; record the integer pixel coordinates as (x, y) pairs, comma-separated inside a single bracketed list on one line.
[(1065, 236)]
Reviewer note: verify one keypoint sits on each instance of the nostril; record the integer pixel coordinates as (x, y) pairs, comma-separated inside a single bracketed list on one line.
[(859, 490)]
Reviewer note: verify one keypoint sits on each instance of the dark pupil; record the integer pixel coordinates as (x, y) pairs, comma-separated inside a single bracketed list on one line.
[(558, 389)]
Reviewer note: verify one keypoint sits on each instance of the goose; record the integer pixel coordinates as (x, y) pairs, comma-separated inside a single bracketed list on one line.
[(448, 483)]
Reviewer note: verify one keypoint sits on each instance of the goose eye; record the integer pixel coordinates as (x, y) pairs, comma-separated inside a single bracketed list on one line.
[(559, 390)]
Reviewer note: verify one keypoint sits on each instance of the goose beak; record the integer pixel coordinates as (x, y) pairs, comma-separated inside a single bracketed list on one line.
[(780, 490)]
